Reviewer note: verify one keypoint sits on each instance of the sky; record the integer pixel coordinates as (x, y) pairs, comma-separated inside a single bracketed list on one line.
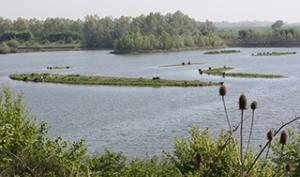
[(214, 10)]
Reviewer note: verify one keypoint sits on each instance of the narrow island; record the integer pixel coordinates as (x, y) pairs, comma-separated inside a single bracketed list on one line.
[(223, 72), (183, 64), (58, 67), (112, 81), (274, 53), (221, 52)]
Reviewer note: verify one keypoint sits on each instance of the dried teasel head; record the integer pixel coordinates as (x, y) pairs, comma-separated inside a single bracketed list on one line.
[(198, 159), (283, 138), (222, 90), (246, 175), (288, 167), (243, 102), (270, 135), (253, 105)]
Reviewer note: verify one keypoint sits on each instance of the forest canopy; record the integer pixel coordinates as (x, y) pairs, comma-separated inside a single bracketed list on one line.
[(144, 33)]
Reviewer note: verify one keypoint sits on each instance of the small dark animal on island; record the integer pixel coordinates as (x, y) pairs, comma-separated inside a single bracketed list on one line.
[(209, 68), (189, 63), (200, 71), (182, 63), (156, 78)]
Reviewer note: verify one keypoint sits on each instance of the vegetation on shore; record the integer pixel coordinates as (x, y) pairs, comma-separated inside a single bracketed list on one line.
[(274, 53), (222, 71), (222, 52), (277, 35), (14, 46), (104, 80), (145, 33), (26, 150)]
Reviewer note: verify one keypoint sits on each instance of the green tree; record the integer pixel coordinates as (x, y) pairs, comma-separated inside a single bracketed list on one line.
[(24, 36), (8, 35), (166, 40), (277, 25), (21, 24), (5, 25)]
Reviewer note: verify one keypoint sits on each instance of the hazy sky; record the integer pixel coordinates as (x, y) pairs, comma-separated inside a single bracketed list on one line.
[(215, 10)]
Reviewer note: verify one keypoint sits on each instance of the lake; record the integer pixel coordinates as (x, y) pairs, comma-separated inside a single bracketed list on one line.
[(140, 121)]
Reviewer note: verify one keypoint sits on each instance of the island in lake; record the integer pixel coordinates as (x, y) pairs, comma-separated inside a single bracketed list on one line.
[(113, 81), (273, 53), (222, 72)]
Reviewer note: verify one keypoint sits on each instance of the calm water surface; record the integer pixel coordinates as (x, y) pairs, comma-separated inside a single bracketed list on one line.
[(140, 121)]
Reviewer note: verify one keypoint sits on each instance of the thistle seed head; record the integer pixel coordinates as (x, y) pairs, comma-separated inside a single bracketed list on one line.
[(270, 135), (222, 90), (246, 175), (198, 159), (243, 102), (253, 105), (288, 167), (283, 138)]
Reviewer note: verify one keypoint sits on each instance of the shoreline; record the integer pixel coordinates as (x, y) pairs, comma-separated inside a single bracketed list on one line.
[(165, 50), (112, 51)]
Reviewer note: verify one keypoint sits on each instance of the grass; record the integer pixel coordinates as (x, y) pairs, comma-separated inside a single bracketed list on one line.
[(222, 52), (35, 46), (104, 80), (58, 67), (223, 72), (274, 53)]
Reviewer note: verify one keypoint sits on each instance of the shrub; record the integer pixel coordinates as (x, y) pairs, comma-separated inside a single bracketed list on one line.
[(4, 49), (26, 151), (13, 43)]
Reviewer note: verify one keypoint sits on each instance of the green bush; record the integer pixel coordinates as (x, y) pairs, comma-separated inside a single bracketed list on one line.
[(4, 49), (13, 43), (26, 151)]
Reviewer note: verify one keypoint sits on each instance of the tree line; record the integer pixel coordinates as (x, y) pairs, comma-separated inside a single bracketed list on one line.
[(277, 35), (145, 32), (153, 31)]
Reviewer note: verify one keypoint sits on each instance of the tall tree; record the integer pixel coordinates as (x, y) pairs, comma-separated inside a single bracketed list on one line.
[(277, 25)]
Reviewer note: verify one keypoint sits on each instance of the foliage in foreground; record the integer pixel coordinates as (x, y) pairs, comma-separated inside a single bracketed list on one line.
[(25, 150)]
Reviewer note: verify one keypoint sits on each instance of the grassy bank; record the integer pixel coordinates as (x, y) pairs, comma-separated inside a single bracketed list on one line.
[(17, 47), (104, 80), (223, 72), (274, 53), (181, 49), (222, 52)]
